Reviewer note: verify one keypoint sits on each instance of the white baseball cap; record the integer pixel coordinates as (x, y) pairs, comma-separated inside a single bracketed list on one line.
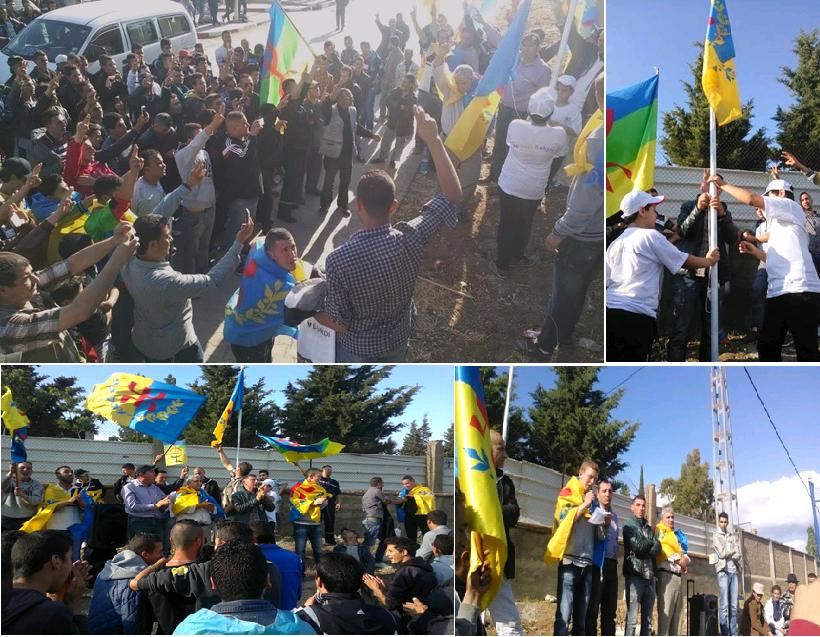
[(60, 59), (568, 80), (542, 103), (779, 184), (637, 199), (758, 587)]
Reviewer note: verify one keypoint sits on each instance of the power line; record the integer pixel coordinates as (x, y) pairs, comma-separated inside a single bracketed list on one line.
[(623, 381), (779, 437)]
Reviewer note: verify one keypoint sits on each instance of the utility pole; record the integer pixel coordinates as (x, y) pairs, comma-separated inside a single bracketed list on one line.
[(723, 455)]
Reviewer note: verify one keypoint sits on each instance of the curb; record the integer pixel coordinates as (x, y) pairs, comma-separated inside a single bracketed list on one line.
[(232, 27)]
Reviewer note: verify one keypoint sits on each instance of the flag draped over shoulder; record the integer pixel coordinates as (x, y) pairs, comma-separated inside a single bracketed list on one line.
[(672, 541), (631, 133), (17, 423), (469, 131), (176, 454), (294, 452), (425, 499), (569, 499), (234, 404), (477, 477), (302, 496), (155, 409), (186, 498), (52, 496), (719, 80), (286, 54)]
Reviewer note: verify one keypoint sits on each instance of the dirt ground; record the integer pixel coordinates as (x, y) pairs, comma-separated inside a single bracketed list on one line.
[(465, 313), (736, 349)]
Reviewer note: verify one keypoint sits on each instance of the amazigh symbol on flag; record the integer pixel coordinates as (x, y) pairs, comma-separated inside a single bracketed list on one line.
[(483, 462)]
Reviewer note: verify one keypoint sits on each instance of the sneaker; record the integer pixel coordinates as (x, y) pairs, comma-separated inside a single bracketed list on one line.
[(529, 346)]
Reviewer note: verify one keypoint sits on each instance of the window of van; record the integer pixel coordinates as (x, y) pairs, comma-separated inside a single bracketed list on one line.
[(173, 25), (142, 33), (107, 41), (52, 36)]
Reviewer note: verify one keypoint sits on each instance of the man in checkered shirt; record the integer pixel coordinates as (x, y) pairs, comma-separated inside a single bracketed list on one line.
[(371, 277), (29, 334)]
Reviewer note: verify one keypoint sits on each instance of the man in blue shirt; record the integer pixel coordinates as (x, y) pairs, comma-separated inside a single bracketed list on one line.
[(288, 563)]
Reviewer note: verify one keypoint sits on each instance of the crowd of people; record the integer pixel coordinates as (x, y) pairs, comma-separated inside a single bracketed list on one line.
[(784, 307), (587, 542), (127, 192), (198, 557)]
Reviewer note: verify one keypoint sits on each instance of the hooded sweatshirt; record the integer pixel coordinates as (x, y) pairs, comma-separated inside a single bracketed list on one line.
[(220, 620), (347, 614), (413, 579), (29, 612), (115, 608)]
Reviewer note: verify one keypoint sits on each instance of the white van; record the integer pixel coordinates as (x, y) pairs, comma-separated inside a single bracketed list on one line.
[(103, 27)]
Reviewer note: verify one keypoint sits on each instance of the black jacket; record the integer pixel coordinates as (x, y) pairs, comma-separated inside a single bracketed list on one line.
[(29, 612), (413, 579), (510, 512), (640, 548), (346, 614), (691, 224)]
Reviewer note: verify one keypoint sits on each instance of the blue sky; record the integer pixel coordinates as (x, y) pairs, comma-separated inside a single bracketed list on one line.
[(434, 398), (672, 404), (643, 34)]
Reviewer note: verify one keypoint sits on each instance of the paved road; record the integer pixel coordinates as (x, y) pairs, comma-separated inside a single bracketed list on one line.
[(315, 235)]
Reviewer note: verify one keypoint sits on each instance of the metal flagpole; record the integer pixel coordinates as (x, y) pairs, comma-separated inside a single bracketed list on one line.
[(814, 502), (562, 48), (505, 423), (713, 239), (239, 423)]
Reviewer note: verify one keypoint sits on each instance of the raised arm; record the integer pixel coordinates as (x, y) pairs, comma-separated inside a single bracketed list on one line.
[(741, 194), (448, 181)]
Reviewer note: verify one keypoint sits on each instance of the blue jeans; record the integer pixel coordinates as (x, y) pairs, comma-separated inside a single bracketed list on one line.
[(640, 595), (190, 354), (759, 285), (236, 216), (372, 526), (576, 265), (304, 532), (574, 591), (194, 231), (727, 601)]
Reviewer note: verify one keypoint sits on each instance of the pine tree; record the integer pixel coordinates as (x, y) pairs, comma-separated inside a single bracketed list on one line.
[(573, 421), (686, 132), (624, 490), (811, 542), (216, 384), (692, 493), (799, 125), (415, 442), (495, 396), (641, 489), (343, 403), (449, 441), (54, 406)]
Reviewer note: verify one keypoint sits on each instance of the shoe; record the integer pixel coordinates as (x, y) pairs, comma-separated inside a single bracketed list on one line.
[(524, 262), (501, 273), (377, 160), (529, 346), (286, 217)]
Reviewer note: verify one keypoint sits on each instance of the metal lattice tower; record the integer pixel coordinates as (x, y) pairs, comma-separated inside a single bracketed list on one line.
[(723, 455)]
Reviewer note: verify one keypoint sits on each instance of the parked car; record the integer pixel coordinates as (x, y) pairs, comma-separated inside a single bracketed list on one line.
[(105, 27)]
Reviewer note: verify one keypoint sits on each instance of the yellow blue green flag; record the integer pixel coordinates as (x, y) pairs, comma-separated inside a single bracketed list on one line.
[(719, 80), (477, 477), (155, 409), (294, 452), (17, 423), (234, 404)]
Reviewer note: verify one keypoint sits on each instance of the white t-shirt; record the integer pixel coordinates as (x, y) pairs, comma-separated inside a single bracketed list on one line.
[(532, 149), (568, 115), (634, 264), (788, 262)]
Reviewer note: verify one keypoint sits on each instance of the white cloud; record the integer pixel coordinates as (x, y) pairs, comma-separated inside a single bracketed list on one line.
[(778, 509)]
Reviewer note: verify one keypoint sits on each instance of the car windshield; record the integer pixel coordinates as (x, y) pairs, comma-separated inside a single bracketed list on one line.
[(52, 36)]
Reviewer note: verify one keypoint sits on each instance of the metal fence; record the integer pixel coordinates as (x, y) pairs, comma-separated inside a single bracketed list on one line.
[(537, 490), (103, 459), (680, 184)]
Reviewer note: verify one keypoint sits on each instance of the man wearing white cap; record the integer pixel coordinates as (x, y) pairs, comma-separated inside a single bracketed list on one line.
[(751, 620), (567, 114), (531, 74), (533, 144), (633, 267), (793, 292)]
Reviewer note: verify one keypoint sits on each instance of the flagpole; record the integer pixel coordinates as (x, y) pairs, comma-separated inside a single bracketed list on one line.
[(562, 48), (713, 239), (506, 422), (239, 422)]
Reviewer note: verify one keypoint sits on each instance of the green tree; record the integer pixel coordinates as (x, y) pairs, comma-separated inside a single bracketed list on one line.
[(811, 542), (641, 490), (692, 493), (686, 132), (342, 402), (216, 384), (170, 379), (415, 442), (799, 126), (624, 490), (449, 441), (54, 405), (495, 396), (573, 421)]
